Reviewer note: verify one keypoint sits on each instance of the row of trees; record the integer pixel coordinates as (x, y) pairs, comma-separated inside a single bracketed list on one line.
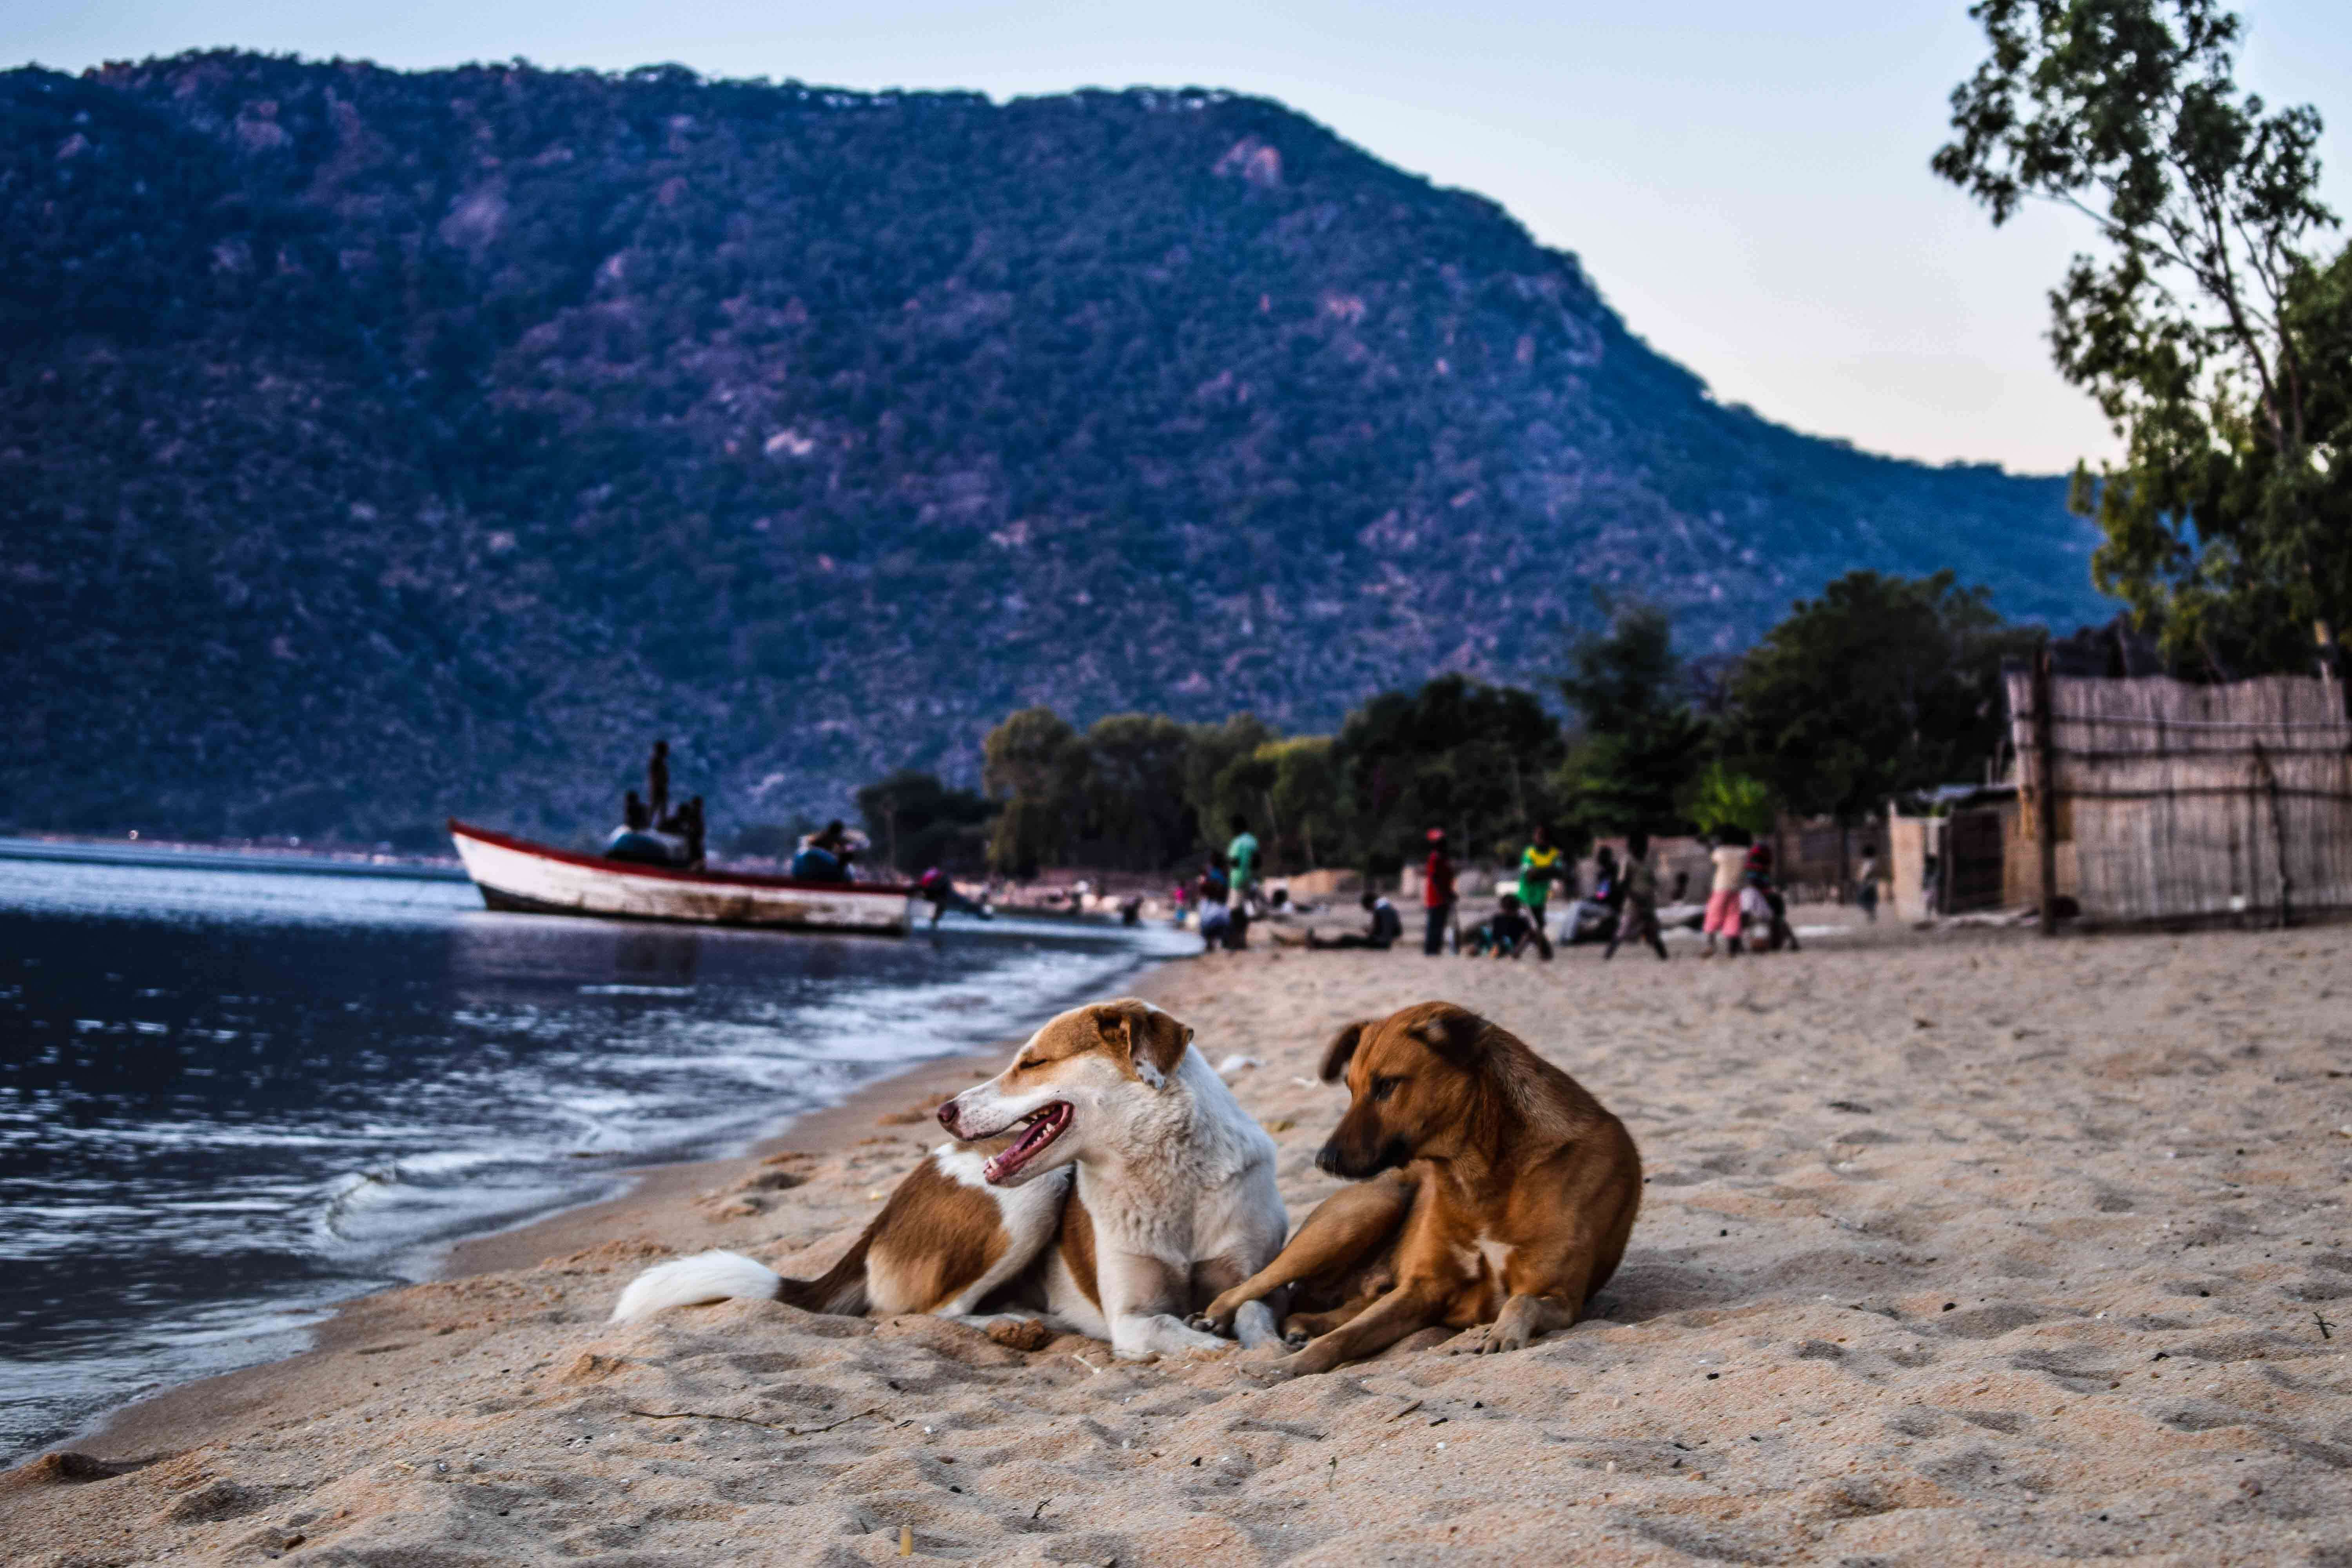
[(1879, 686)]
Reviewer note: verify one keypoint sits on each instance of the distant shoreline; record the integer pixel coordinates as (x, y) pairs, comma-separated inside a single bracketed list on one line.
[(169, 856)]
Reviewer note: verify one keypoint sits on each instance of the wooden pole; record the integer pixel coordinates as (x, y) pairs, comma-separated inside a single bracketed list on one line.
[(2045, 790), (2278, 833)]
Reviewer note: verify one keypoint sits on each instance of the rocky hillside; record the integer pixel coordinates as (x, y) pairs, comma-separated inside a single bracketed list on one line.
[(375, 445)]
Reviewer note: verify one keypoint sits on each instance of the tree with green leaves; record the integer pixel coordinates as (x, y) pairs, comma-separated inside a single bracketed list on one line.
[(2213, 330), (1031, 763), (1131, 789), (1218, 779), (1879, 686), (1721, 798), (1474, 759), (1289, 791), (917, 822), (1640, 743)]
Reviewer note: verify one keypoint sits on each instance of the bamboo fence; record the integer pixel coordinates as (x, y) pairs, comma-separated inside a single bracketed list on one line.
[(2191, 802)]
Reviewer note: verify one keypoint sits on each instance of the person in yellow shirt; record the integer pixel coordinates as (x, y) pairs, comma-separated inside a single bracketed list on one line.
[(1540, 865)]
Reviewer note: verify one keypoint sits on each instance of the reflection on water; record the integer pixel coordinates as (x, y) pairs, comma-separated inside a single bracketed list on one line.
[(229, 1100)]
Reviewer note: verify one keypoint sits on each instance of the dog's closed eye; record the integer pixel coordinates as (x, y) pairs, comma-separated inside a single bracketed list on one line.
[(1384, 1086)]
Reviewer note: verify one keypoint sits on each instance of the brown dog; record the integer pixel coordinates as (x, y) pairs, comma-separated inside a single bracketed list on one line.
[(1502, 1194)]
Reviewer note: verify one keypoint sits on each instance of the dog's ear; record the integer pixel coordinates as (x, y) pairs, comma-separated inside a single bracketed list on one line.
[(1153, 1041), (1342, 1049), (1456, 1033)]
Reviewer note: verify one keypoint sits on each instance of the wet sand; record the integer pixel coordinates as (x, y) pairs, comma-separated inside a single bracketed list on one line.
[(1956, 1247)]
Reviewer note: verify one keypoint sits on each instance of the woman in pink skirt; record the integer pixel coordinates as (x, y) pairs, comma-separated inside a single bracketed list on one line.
[(1730, 857)]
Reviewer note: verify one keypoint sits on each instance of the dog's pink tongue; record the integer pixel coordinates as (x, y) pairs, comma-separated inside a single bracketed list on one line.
[(1004, 1163)]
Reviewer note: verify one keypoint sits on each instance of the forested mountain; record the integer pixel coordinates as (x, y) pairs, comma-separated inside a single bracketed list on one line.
[(375, 445)]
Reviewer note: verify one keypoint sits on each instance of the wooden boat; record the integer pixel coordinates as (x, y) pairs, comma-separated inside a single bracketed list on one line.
[(516, 874)]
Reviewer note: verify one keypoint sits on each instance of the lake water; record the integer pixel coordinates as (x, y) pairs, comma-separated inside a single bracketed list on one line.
[(229, 1100)]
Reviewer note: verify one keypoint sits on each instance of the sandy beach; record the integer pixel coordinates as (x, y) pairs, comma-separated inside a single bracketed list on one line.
[(1956, 1247)]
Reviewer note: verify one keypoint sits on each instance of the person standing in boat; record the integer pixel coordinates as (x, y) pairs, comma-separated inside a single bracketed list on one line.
[(658, 783), (690, 824)]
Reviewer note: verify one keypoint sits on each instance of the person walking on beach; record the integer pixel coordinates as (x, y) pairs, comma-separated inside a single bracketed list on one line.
[(1540, 865), (1865, 892), (1436, 894), (1640, 882), (658, 783), (1241, 863), (1730, 858), (1607, 897)]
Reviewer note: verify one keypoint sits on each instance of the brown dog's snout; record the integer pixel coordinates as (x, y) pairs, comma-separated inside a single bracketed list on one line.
[(952, 1116), (1359, 1148)]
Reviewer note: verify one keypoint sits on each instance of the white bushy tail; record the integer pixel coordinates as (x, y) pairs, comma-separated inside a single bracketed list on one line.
[(685, 1282)]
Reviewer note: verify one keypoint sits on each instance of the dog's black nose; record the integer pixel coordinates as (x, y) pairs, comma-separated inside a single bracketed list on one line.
[(1327, 1159)]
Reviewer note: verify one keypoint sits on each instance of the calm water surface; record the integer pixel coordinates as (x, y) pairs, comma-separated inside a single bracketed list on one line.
[(231, 1098)]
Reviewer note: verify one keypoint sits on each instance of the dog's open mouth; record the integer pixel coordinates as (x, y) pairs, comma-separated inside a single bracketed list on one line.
[(1038, 1131)]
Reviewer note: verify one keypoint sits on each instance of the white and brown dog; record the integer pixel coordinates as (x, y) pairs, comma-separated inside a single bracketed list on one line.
[(1128, 1188)]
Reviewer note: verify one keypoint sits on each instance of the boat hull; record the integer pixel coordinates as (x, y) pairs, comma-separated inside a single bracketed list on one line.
[(518, 875)]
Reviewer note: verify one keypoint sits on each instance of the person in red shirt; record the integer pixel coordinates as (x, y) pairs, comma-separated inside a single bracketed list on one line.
[(1436, 893)]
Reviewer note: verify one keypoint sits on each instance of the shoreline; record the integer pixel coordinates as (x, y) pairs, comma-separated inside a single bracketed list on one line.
[(184, 1414)]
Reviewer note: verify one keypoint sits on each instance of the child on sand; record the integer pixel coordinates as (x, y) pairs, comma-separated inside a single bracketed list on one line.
[(1386, 926), (1640, 881), (1764, 908), (1502, 933), (1755, 917)]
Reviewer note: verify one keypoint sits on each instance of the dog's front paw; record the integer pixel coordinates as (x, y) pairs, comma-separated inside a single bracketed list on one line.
[(1217, 1317), (1201, 1323), (1489, 1338), (1163, 1334), (1304, 1362)]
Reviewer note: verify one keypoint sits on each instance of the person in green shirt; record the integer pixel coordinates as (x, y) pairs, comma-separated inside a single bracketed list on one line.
[(1241, 867), (1540, 865)]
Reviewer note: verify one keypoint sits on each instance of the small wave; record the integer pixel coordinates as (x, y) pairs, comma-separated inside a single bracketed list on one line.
[(636, 990)]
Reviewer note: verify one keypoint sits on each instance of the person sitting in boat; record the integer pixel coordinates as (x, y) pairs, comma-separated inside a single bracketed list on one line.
[(640, 847), (824, 855), (635, 815)]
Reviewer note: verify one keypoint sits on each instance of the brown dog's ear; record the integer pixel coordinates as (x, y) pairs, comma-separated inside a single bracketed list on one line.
[(1342, 1049), (1153, 1041), (1455, 1033)]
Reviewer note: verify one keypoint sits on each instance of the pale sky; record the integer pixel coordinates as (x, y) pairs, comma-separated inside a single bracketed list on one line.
[(1747, 183)]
